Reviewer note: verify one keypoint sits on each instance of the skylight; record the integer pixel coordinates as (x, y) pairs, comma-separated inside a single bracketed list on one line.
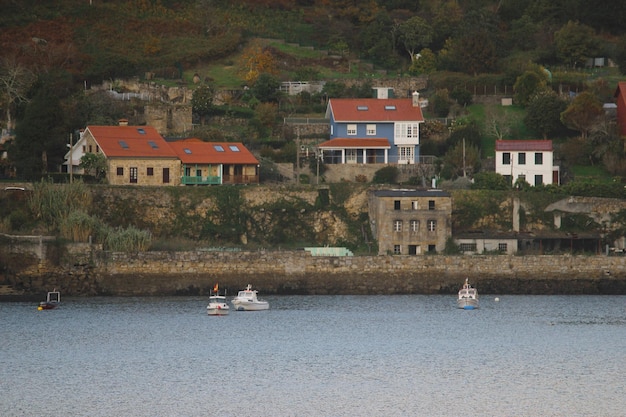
[(233, 148), (218, 148), (153, 144), (390, 107), (123, 144), (141, 131), (187, 151), (362, 108)]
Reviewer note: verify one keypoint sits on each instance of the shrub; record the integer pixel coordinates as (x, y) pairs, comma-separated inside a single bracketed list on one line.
[(386, 175)]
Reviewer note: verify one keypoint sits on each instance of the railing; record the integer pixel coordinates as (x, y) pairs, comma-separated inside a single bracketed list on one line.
[(189, 180)]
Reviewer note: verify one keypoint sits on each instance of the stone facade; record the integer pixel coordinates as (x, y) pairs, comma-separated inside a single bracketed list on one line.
[(410, 222)]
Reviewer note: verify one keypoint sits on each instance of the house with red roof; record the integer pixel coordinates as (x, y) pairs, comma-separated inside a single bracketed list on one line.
[(135, 155), (529, 160), (620, 101), (373, 131), (205, 163)]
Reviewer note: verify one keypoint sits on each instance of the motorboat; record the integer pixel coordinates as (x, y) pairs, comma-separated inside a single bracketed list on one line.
[(53, 299), (218, 306), (468, 297), (246, 300)]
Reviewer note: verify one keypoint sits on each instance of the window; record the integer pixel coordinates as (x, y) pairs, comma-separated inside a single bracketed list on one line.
[(506, 158), (153, 144), (187, 172), (396, 250), (233, 148), (431, 204), (120, 171), (538, 180), (397, 225), (166, 175), (396, 205), (432, 225), (133, 175), (122, 144), (521, 158), (432, 248), (218, 148), (351, 156), (407, 130), (150, 171), (538, 158), (97, 149), (198, 172), (502, 247), (415, 225), (405, 153), (415, 205), (467, 247), (371, 130), (90, 148), (351, 130)]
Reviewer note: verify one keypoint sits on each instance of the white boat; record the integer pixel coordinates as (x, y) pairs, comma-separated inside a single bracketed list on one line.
[(246, 300), (468, 297), (53, 299), (218, 306)]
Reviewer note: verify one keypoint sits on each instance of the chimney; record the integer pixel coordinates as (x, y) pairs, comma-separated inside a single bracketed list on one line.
[(123, 122), (416, 99)]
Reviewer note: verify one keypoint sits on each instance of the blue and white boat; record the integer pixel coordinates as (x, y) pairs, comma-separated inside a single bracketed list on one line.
[(468, 297)]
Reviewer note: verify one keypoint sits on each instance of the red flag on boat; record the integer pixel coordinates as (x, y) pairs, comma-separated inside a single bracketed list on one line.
[(216, 288)]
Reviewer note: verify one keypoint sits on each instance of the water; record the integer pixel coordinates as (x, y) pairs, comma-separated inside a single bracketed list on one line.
[(316, 356)]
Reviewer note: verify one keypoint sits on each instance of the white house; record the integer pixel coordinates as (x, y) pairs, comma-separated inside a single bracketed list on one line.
[(530, 160)]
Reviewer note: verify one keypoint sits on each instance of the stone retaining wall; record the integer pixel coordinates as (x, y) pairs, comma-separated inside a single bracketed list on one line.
[(298, 272)]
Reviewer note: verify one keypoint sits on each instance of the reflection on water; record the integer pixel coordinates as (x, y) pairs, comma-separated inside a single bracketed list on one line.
[(316, 356)]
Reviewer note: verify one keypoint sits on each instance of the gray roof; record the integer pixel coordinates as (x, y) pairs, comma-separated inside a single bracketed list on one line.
[(411, 193)]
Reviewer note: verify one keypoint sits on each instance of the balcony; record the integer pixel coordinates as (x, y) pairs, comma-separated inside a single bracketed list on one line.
[(188, 180)]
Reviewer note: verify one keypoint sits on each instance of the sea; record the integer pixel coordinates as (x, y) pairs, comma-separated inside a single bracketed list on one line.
[(391, 355)]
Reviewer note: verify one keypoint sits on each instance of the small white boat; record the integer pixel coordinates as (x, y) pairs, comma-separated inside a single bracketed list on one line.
[(246, 300), (468, 297), (53, 299), (218, 306)]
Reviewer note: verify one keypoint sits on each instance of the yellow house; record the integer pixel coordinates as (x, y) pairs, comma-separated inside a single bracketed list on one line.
[(136, 155)]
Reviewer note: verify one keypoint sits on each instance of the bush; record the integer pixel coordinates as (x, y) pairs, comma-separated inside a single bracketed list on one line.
[(386, 175)]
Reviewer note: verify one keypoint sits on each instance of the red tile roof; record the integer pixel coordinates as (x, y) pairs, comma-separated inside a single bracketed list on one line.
[(356, 143), (523, 145), (130, 141), (195, 151), (375, 110)]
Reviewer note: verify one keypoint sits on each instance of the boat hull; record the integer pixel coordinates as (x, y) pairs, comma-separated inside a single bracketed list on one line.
[(217, 309), (246, 306), (467, 303), (44, 305)]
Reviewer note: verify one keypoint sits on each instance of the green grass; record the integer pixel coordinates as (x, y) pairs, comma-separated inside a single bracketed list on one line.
[(591, 172)]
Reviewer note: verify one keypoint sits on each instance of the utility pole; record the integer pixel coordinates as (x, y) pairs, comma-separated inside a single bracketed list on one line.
[(297, 155), (71, 164)]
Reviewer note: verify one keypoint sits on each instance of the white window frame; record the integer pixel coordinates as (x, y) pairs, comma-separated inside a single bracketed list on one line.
[(370, 130), (407, 132), (397, 225), (432, 225), (351, 156), (351, 130), (406, 153), (414, 225)]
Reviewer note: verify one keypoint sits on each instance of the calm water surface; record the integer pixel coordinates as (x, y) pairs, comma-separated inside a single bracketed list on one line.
[(316, 356)]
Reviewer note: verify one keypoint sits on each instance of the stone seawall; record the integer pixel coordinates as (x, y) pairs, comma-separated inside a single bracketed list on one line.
[(298, 272)]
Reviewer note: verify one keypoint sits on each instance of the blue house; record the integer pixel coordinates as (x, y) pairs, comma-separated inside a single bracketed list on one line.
[(373, 131)]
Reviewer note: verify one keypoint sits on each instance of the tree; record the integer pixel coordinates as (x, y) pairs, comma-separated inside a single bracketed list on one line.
[(202, 101), (543, 114), (415, 34), (266, 88), (575, 43), (256, 61), (94, 164), (426, 64), (528, 85), (476, 52), (582, 113), (40, 135), (15, 81), (463, 158)]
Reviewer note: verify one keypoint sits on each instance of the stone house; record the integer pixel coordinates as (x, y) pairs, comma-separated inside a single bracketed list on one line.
[(373, 130), (410, 222), (135, 155), (530, 160), (205, 163)]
